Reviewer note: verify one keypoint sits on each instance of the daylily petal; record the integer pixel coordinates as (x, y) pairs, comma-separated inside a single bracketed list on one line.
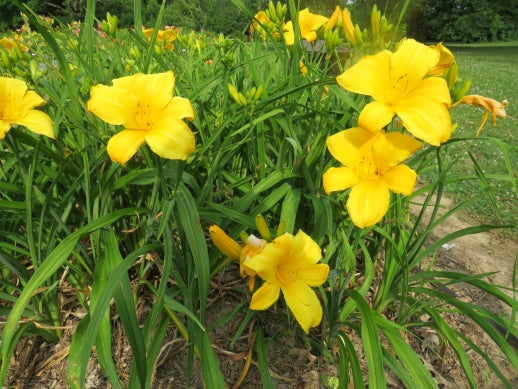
[(412, 60), (178, 108), (368, 202), (346, 146), (369, 76), (11, 89), (38, 122), (311, 36), (392, 148), (339, 178), (122, 146), (154, 89), (265, 263), (433, 88), (303, 303), (172, 139), (425, 119), (265, 296), (446, 59), (305, 252), (375, 115), (309, 23), (4, 128), (400, 179), (31, 99), (113, 105), (289, 34), (314, 275)]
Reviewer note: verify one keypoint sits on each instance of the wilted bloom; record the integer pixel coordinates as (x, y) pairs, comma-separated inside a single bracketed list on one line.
[(309, 24), (372, 169), (446, 59), (228, 246), (145, 106), (164, 37), (17, 107), (397, 83), (493, 107), (289, 264)]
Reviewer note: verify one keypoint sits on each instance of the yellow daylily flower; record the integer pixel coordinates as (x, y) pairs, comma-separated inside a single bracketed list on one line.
[(164, 37), (303, 69), (10, 44), (397, 83), (493, 107), (446, 59), (17, 107), (145, 106), (260, 22), (309, 23), (372, 169), (289, 264)]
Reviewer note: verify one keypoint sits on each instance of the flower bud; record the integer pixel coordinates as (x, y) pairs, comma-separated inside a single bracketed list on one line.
[(262, 227), (224, 243), (375, 23)]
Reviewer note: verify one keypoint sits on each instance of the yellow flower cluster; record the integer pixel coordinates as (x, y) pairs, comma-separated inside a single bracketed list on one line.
[(400, 83), (409, 84)]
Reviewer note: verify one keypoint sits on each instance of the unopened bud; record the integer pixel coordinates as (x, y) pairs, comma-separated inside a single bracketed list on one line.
[(262, 227)]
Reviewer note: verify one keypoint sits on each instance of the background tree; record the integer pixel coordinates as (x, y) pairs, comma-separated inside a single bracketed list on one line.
[(426, 20)]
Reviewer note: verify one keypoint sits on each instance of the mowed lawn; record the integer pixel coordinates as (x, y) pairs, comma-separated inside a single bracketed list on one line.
[(493, 69)]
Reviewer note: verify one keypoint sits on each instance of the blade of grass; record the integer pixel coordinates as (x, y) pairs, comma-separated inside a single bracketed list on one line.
[(78, 356), (125, 304), (189, 221), (370, 341), (262, 360), (356, 372)]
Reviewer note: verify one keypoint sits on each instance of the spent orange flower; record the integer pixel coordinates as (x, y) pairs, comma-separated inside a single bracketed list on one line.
[(232, 249), (493, 107)]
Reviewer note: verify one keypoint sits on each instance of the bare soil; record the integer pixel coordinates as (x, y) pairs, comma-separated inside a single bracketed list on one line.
[(37, 364)]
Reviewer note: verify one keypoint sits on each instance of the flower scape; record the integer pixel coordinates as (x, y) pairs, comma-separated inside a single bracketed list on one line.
[(147, 161)]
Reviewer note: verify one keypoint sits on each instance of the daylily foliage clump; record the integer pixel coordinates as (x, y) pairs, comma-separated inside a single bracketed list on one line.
[(166, 155)]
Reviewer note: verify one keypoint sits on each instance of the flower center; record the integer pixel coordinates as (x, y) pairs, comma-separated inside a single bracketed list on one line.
[(11, 110), (400, 86), (285, 276), (367, 170), (254, 246), (143, 116)]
